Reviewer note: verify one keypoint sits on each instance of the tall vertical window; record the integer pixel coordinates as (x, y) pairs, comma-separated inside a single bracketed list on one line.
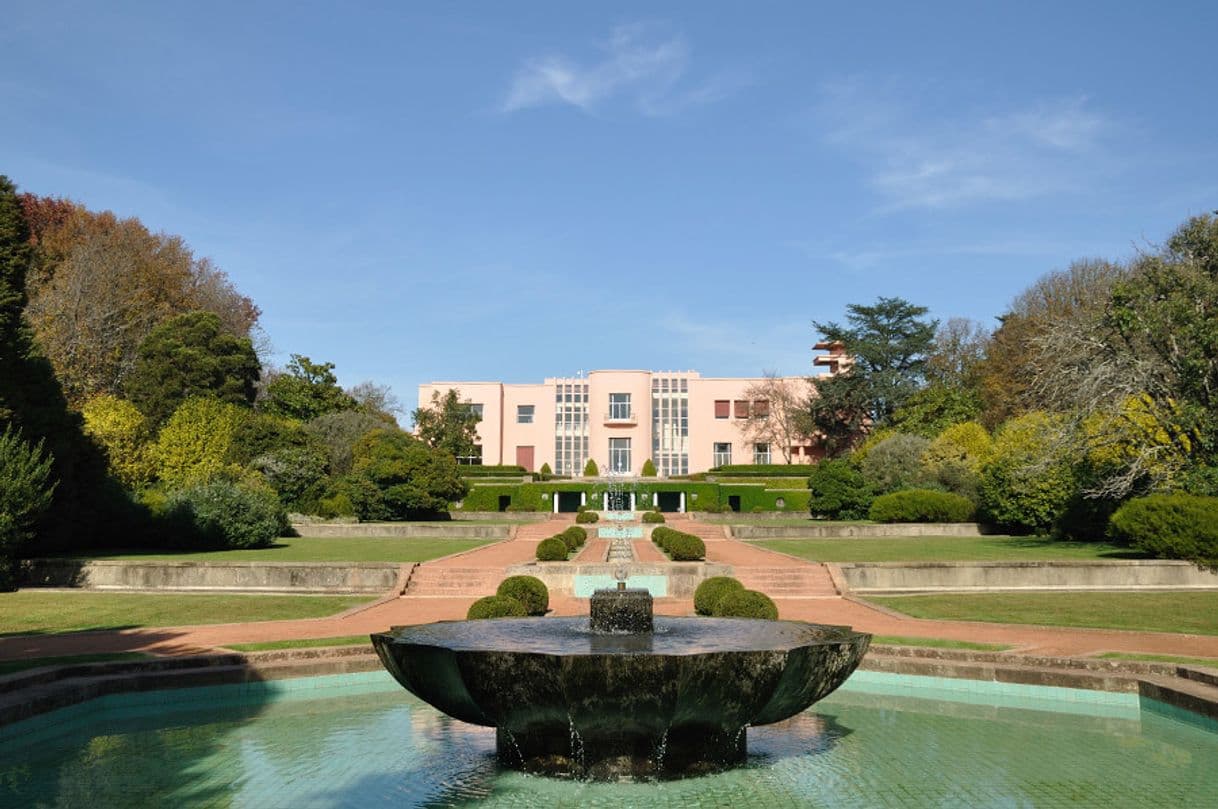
[(619, 456), (761, 453), (570, 426), (524, 414), (670, 424), (619, 406), (723, 454)]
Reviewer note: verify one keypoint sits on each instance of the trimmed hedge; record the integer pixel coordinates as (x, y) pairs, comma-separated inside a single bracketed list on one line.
[(1170, 526), (472, 471), (495, 607), (586, 517), (653, 516), (553, 549), (764, 470), (528, 590), (574, 536), (922, 505), (711, 590), (680, 546), (710, 496), (746, 604)]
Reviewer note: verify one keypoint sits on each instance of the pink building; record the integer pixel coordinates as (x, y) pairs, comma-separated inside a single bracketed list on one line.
[(683, 422)]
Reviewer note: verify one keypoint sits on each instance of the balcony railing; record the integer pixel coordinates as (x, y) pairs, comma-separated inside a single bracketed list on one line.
[(621, 416)]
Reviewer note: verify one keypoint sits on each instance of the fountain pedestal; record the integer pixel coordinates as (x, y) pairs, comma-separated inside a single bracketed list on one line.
[(627, 695)]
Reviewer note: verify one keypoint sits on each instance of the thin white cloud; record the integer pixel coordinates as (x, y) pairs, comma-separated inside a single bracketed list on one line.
[(921, 151), (638, 63)]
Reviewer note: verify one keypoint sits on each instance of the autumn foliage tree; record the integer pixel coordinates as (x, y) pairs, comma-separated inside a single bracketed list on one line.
[(99, 285)]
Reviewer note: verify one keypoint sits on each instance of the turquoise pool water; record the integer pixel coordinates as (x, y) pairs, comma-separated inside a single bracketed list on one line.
[(361, 741)]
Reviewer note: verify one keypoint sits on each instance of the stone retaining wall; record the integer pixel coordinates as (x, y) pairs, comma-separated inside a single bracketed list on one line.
[(838, 531), (682, 577), (252, 577), (453, 530), (1133, 574)]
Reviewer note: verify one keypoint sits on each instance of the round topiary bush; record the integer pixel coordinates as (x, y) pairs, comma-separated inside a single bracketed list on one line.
[(225, 514), (495, 607), (653, 516), (922, 505), (707, 596), (579, 535), (585, 517), (746, 604), (552, 550), (1170, 526), (528, 590)]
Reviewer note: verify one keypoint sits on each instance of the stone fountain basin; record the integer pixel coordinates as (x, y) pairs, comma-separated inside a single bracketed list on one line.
[(567, 700)]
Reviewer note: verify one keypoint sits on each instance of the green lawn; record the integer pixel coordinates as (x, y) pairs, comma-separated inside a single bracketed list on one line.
[(33, 612), (793, 521), (313, 549), (304, 643), (14, 666), (939, 643), (1192, 612), (944, 549)]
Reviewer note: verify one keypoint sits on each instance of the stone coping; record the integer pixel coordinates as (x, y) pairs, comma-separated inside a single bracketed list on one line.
[(1019, 575), (37, 691), (896, 530)]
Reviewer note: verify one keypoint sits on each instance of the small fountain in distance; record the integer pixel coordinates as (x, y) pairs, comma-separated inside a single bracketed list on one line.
[(625, 694)]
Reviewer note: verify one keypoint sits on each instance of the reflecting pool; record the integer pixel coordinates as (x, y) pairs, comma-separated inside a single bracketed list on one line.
[(360, 740)]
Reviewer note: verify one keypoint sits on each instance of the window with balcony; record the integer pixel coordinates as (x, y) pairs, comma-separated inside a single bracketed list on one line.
[(722, 455), (723, 409), (619, 456), (761, 453), (524, 414), (619, 407)]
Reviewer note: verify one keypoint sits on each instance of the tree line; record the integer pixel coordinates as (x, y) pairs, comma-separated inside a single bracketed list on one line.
[(136, 407)]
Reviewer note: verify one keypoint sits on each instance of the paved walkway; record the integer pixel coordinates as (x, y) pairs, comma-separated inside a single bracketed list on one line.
[(816, 602)]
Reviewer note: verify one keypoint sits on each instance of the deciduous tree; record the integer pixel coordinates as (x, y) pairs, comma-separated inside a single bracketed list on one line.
[(306, 390), (449, 424), (778, 415)]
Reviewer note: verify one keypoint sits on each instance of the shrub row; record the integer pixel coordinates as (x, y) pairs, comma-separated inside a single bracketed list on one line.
[(765, 470), (558, 547), (586, 517), (922, 505), (491, 471), (680, 546)]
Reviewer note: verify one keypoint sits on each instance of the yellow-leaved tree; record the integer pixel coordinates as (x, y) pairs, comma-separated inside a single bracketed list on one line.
[(122, 430), (193, 446)]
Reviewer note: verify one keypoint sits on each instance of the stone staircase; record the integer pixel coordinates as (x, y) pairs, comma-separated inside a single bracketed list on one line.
[(429, 581), (793, 581), (702, 530), (537, 531)]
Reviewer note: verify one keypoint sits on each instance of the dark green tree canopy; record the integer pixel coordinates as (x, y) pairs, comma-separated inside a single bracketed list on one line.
[(449, 424), (411, 479), (306, 390), (889, 343), (189, 356)]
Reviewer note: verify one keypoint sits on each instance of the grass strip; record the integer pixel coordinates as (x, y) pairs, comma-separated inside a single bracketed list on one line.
[(1194, 612), (993, 548), (13, 666), (310, 549), (300, 643), (939, 643), (50, 612), (1144, 658)]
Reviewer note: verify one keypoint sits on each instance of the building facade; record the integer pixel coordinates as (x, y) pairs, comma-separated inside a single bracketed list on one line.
[(683, 422)]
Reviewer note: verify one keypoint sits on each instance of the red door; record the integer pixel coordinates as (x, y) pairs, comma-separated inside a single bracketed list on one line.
[(524, 457)]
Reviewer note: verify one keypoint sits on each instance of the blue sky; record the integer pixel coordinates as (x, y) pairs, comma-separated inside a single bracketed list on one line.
[(518, 190)]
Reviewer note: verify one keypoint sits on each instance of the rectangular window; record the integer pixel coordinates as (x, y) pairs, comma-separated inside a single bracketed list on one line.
[(723, 454), (761, 408), (761, 453), (476, 409), (619, 406), (742, 409), (723, 408), (619, 456), (524, 414)]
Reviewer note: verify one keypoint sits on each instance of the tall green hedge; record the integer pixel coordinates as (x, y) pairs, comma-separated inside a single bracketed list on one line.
[(1171, 526), (530, 496)]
